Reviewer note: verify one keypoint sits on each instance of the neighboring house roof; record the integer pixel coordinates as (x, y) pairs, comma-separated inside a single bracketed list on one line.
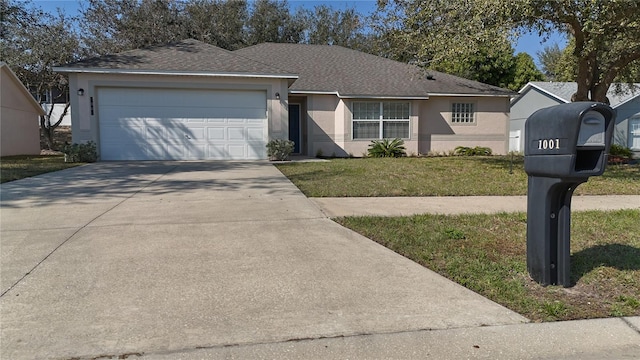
[(7, 73), (350, 73), (618, 94), (187, 57)]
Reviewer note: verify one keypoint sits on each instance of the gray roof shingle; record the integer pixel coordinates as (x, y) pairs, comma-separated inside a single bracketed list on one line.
[(318, 68), (564, 90), (187, 56), (351, 73)]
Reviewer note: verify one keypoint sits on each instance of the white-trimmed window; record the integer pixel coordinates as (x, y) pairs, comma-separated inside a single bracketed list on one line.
[(380, 120), (462, 113)]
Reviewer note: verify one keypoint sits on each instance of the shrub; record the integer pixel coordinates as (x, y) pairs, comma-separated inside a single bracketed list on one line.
[(619, 150), (80, 152), (387, 148), (279, 149), (469, 151)]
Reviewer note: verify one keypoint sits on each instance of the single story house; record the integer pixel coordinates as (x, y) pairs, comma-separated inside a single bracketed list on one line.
[(191, 100), (19, 130), (538, 95)]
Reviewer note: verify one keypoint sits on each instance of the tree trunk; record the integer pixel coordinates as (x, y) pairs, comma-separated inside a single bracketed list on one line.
[(47, 133), (599, 93), (48, 128), (583, 80)]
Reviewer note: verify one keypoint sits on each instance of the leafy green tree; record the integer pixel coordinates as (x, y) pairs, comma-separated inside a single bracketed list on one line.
[(33, 42), (216, 22), (326, 26), (606, 32), (549, 58), (606, 37), (494, 65), (525, 71), (434, 30), (271, 21), (111, 26)]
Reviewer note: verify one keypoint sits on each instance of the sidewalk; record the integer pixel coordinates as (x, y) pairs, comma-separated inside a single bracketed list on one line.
[(617, 338), (403, 206)]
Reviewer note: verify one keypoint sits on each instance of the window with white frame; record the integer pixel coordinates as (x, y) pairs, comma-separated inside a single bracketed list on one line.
[(380, 120), (462, 113)]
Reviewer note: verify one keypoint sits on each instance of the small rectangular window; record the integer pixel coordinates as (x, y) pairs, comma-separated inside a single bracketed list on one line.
[(462, 113)]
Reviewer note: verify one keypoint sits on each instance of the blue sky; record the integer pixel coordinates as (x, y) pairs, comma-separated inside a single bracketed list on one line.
[(530, 43)]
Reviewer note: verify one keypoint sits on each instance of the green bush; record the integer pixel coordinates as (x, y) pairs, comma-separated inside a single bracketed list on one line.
[(387, 148), (619, 150), (279, 149), (85, 153), (475, 151)]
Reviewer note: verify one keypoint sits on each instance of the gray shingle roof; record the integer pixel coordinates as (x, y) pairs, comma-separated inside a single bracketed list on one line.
[(564, 90), (321, 68), (351, 73), (187, 56)]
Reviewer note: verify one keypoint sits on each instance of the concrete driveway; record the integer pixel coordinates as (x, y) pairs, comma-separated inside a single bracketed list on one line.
[(161, 258)]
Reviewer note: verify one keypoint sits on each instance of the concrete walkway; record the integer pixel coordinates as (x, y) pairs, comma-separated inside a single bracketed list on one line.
[(401, 206), (200, 260)]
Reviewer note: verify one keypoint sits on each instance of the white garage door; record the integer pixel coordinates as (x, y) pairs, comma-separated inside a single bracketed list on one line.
[(181, 124)]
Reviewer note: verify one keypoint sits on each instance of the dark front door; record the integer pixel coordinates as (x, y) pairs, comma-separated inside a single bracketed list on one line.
[(294, 126)]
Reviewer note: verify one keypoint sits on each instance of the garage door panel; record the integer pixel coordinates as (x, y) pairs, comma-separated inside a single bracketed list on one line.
[(237, 151), (217, 151), (215, 133), (124, 151), (196, 152), (154, 132), (115, 134), (247, 113), (256, 151), (236, 134), (177, 134), (175, 151), (196, 134), (157, 124), (255, 134)]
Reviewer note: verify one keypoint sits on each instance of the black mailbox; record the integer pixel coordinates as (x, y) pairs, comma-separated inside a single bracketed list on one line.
[(568, 140), (564, 145)]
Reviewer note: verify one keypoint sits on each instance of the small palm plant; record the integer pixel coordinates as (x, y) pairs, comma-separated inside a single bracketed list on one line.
[(387, 148)]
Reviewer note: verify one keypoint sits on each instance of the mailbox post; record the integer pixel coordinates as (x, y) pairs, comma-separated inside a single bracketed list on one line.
[(565, 145)]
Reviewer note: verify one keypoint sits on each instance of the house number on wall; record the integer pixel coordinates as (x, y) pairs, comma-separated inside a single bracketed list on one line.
[(548, 144)]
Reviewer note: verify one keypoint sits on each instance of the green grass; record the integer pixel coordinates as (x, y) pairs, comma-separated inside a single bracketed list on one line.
[(20, 167), (438, 176), (487, 254)]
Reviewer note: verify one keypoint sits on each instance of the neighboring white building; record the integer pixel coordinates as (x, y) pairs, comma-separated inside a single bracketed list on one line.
[(55, 115)]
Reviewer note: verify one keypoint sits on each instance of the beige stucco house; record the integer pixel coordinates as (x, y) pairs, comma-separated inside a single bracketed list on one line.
[(19, 113), (191, 100)]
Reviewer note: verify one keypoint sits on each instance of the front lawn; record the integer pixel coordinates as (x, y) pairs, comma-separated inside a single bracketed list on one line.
[(487, 254), (19, 167), (438, 176)]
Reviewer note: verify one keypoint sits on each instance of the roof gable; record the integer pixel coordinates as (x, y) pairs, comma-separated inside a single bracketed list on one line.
[(7, 74), (184, 57), (351, 73), (564, 90)]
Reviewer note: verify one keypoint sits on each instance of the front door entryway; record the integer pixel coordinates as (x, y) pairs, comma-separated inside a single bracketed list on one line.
[(294, 126)]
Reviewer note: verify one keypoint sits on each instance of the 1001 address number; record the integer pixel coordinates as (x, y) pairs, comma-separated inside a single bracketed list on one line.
[(548, 144)]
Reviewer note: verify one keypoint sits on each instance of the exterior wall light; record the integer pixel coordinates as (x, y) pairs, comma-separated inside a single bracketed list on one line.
[(278, 95), (80, 92)]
